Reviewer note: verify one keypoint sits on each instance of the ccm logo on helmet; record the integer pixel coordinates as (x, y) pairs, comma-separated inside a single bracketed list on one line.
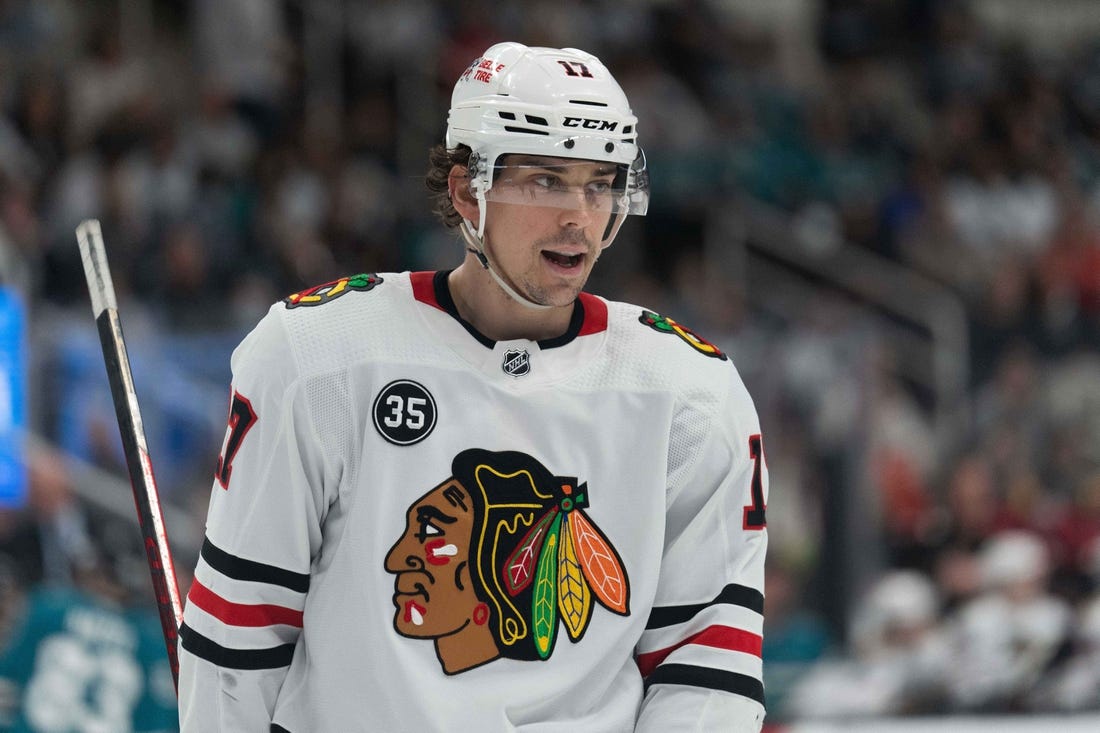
[(590, 124)]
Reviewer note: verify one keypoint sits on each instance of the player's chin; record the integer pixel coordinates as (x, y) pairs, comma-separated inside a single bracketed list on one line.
[(562, 288), (558, 296)]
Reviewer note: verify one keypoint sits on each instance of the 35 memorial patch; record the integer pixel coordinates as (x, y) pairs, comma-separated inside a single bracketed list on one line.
[(404, 412), (330, 291), (664, 324)]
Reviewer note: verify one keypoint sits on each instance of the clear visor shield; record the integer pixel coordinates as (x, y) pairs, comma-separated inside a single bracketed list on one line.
[(560, 183)]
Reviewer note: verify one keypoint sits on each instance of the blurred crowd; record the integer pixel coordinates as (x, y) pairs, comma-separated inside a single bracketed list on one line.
[(240, 150)]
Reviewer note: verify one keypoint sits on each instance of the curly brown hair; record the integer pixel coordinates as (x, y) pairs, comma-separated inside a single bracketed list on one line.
[(441, 159)]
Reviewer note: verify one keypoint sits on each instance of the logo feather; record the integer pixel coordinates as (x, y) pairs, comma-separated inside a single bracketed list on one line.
[(574, 595), (520, 565), (544, 608), (600, 563)]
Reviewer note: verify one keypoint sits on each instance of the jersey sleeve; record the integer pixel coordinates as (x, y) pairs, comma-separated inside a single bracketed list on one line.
[(243, 613), (700, 655)]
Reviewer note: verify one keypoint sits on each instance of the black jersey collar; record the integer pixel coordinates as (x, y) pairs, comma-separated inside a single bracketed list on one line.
[(589, 312)]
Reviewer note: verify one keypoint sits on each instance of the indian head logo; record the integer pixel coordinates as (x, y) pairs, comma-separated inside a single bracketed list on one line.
[(496, 559)]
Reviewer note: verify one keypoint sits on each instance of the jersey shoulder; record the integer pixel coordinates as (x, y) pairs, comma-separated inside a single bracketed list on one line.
[(660, 353), (670, 342), (326, 327), (329, 292), (663, 351)]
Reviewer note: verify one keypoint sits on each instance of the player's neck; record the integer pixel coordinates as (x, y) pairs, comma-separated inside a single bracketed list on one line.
[(495, 314)]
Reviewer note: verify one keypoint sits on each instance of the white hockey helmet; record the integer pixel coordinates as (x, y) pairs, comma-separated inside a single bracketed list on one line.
[(1012, 557), (560, 103), (901, 600)]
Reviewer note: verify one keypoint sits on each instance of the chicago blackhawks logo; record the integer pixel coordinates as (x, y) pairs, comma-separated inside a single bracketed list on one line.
[(321, 294), (664, 324), (497, 557)]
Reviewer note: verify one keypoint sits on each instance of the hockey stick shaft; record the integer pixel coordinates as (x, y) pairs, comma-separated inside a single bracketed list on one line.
[(146, 499)]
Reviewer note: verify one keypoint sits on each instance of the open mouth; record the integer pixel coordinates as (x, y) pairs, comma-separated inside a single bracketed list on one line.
[(563, 260)]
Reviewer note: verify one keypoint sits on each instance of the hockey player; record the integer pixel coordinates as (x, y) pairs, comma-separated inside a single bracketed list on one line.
[(484, 499)]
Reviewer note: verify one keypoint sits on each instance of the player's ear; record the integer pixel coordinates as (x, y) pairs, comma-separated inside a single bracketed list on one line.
[(462, 198)]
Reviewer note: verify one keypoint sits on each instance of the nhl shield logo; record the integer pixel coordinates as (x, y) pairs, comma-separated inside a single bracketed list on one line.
[(517, 362)]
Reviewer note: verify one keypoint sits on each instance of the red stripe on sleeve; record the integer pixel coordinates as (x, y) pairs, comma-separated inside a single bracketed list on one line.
[(719, 637), (241, 614)]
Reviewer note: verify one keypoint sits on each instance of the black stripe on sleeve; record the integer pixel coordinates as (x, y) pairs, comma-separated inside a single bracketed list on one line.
[(240, 569), (732, 594), (204, 648), (711, 679)]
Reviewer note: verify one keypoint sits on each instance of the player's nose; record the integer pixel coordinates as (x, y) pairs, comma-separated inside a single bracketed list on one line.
[(579, 215)]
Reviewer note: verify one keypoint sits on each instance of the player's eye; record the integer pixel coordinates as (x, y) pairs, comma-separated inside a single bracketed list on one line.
[(547, 182)]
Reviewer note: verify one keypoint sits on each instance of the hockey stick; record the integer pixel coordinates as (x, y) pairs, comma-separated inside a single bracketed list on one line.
[(105, 309)]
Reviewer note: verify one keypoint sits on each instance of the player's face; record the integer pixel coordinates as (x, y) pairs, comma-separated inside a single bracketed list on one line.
[(547, 251), (433, 591)]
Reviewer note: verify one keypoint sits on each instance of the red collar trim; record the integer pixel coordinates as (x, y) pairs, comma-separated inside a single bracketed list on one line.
[(423, 286), (595, 315), (594, 309)]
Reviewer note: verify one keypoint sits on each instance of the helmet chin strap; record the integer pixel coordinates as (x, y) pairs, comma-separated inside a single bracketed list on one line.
[(475, 243)]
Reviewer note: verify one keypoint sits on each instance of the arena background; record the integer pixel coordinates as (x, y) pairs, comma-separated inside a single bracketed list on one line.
[(887, 213)]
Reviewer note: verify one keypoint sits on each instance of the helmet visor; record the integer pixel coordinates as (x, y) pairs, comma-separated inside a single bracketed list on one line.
[(564, 183)]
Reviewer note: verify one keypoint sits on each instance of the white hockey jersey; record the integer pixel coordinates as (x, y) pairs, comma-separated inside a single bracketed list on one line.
[(414, 528)]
